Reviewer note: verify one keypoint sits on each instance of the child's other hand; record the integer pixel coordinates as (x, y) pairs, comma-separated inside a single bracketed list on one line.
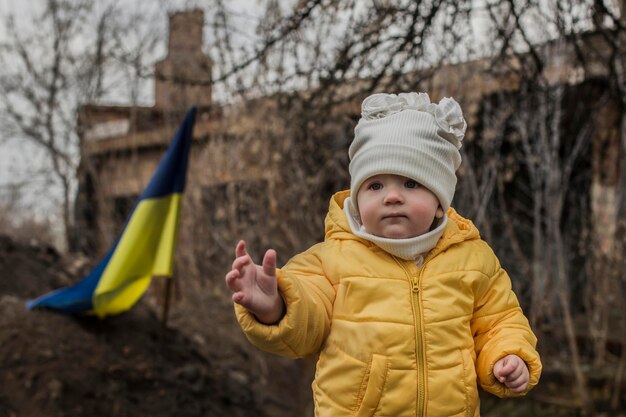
[(254, 286), (512, 372)]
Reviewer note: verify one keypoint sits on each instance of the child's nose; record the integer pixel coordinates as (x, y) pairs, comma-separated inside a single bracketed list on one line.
[(393, 196)]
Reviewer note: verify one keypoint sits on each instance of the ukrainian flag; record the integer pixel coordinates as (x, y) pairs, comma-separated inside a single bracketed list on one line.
[(144, 249)]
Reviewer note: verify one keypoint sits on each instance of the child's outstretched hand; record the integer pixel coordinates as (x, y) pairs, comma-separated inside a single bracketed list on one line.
[(254, 286), (512, 372)]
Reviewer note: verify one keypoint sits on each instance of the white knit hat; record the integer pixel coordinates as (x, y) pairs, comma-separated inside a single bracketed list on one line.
[(408, 135)]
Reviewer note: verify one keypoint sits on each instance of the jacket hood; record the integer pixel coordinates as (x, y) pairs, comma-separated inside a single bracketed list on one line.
[(459, 229)]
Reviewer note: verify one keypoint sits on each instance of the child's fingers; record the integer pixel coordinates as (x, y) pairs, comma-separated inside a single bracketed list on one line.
[(508, 366), (512, 372), (497, 370), (503, 368), (269, 262), (501, 378), (239, 297), (515, 373), (234, 283), (231, 280), (518, 385), (241, 262), (240, 249)]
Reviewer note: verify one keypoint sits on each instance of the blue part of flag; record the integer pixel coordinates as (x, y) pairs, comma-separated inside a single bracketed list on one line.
[(169, 177), (74, 299)]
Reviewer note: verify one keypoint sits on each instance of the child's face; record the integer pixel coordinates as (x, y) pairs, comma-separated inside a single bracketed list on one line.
[(396, 207)]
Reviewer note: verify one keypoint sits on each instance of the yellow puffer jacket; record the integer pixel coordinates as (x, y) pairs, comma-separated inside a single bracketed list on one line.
[(395, 339)]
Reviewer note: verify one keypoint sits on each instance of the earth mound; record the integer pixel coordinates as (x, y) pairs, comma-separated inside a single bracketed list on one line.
[(129, 365)]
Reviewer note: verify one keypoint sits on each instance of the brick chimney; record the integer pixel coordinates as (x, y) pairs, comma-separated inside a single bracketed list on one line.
[(183, 78)]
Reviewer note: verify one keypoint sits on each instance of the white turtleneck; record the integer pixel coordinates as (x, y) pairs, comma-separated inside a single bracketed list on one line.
[(414, 248)]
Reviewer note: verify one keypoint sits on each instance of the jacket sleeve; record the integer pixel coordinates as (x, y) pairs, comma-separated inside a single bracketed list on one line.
[(308, 296), (500, 329)]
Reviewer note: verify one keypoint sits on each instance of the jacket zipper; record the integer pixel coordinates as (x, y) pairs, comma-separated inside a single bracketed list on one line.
[(415, 281)]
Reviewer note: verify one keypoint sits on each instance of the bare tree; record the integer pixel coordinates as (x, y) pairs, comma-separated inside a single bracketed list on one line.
[(554, 120), (70, 53), (327, 47), (46, 78)]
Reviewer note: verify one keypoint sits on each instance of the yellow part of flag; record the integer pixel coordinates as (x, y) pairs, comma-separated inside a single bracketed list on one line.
[(145, 249)]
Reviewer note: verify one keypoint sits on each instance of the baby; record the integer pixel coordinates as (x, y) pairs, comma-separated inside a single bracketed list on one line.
[(408, 309)]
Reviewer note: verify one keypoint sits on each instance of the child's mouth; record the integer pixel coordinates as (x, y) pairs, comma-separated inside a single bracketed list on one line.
[(393, 215)]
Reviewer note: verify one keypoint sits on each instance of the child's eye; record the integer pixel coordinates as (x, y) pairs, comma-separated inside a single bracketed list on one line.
[(375, 186), (411, 184)]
